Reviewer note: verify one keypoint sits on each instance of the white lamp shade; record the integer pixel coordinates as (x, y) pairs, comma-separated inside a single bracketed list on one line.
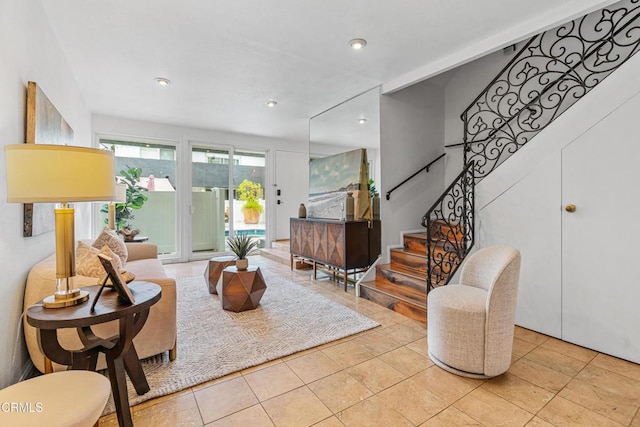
[(58, 173)]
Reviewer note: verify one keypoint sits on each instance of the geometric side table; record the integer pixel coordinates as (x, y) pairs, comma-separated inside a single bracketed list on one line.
[(241, 290), (214, 270)]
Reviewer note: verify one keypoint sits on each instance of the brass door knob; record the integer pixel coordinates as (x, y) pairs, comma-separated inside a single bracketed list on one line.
[(570, 208)]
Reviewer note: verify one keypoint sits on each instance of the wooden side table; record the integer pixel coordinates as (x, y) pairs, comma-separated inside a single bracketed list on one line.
[(214, 270), (241, 290), (119, 350)]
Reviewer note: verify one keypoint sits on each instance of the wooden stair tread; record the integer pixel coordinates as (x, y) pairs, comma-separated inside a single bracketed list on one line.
[(420, 235), (410, 252), (398, 268), (409, 295)]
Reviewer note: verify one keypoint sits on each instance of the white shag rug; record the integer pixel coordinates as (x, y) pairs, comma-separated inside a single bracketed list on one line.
[(213, 342)]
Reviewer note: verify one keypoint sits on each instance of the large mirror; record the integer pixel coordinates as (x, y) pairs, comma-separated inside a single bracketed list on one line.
[(352, 124)]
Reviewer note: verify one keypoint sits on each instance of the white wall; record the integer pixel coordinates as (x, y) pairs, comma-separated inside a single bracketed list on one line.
[(116, 126), (29, 51), (411, 135)]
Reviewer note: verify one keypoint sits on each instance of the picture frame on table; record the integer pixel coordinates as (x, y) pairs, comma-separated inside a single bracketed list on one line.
[(118, 282)]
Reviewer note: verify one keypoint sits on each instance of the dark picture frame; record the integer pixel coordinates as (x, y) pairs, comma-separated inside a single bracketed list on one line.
[(119, 284)]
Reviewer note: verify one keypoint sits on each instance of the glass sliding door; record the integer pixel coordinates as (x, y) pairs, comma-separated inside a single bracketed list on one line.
[(211, 215), (152, 169)]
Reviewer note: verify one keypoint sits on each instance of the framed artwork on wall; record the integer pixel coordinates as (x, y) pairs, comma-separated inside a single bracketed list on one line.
[(45, 125)]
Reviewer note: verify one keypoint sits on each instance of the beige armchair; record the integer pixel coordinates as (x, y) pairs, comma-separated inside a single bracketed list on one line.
[(157, 335), (470, 325)]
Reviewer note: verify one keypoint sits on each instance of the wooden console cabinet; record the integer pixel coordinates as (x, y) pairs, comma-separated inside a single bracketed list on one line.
[(345, 245)]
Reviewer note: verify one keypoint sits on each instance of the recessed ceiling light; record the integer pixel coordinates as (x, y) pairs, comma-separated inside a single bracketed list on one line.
[(163, 81), (357, 44), (271, 103), (362, 121)]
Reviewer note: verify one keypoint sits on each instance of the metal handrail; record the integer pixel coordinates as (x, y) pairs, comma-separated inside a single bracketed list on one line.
[(424, 168)]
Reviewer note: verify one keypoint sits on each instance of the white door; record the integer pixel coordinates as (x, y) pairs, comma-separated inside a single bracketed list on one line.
[(600, 280), (291, 188)]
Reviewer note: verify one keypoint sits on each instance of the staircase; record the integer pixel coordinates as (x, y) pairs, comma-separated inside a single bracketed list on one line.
[(401, 285), (548, 75)]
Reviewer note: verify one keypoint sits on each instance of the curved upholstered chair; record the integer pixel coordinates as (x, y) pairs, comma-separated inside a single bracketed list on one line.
[(470, 325), (62, 399)]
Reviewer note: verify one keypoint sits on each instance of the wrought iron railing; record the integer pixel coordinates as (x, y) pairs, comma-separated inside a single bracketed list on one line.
[(424, 168), (551, 72), (450, 229)]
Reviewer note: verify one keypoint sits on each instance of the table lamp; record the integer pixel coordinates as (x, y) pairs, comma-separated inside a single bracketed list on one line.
[(41, 173), (121, 197)]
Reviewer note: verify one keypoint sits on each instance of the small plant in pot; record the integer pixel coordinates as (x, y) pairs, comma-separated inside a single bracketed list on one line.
[(250, 193), (241, 245)]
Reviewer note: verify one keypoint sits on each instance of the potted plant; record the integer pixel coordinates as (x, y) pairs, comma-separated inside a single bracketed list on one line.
[(135, 198), (250, 192), (241, 245)]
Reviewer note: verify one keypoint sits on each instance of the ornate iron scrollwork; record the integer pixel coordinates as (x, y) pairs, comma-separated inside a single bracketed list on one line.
[(551, 72), (450, 229)]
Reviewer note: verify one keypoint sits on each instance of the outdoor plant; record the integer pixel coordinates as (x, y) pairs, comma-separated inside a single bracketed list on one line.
[(249, 192), (372, 188), (241, 245), (135, 198)]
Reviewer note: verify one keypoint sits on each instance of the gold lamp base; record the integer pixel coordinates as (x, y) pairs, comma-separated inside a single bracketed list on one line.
[(66, 299)]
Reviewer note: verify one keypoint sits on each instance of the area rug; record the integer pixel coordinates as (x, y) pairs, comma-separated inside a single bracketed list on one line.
[(213, 342)]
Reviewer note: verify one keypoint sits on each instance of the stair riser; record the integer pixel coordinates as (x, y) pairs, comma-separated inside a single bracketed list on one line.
[(408, 260), (400, 280), (412, 311), (415, 244)]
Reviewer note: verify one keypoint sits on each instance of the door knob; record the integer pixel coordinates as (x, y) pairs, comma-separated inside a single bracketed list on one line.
[(570, 208)]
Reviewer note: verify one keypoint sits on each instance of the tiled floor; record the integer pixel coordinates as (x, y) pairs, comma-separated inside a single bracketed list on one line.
[(383, 377)]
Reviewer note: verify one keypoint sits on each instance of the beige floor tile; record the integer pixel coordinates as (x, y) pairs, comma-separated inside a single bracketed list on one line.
[(530, 336), (224, 399), (538, 422), (521, 393), (451, 417), (272, 381), (491, 409), (521, 347), (420, 346), (217, 380), (330, 422), (348, 354), (180, 410), (404, 332), (377, 343), (313, 366), (254, 416), (406, 361), (618, 408), (376, 375), (554, 360), (262, 366), (447, 386), (636, 421), (385, 318), (299, 407), (372, 413), (619, 366), (339, 391), (539, 375), (611, 382), (411, 400), (562, 412), (568, 349)]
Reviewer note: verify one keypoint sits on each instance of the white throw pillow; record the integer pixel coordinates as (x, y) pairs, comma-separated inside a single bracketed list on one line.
[(115, 243), (87, 261)]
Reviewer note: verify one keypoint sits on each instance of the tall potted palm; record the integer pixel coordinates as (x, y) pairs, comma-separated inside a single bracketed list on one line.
[(242, 245)]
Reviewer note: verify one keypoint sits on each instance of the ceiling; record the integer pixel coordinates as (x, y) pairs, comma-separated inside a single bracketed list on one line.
[(226, 59)]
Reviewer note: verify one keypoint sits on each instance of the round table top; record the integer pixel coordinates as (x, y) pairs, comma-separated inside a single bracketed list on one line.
[(109, 307)]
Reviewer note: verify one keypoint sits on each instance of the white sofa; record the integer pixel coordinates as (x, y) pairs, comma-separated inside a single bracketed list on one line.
[(157, 335)]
